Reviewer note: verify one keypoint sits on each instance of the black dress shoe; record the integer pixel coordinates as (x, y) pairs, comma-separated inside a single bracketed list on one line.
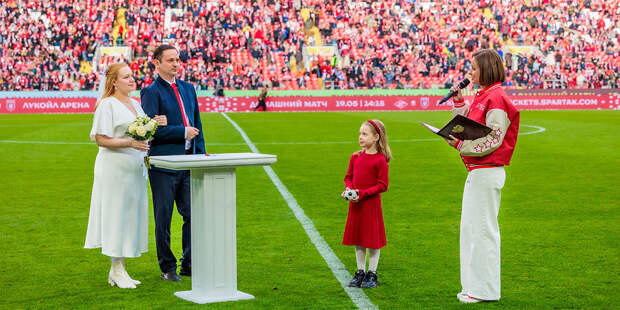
[(357, 278), (370, 280), (170, 276), (186, 271)]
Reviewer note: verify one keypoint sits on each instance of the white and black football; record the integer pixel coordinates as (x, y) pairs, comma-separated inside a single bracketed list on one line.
[(350, 194)]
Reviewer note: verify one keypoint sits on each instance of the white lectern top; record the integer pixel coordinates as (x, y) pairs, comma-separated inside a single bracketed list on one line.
[(202, 161)]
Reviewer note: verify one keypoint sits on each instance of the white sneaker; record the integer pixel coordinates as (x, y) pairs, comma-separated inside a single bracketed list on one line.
[(464, 298)]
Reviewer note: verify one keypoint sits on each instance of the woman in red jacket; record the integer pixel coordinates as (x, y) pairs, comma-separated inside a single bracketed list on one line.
[(484, 159)]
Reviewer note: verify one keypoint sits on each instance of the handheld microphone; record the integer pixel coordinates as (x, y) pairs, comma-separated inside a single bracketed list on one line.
[(451, 94)]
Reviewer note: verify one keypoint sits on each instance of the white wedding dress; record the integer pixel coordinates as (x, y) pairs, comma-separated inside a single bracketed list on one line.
[(118, 220)]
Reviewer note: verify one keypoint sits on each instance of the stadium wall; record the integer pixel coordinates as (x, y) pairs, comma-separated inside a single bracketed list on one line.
[(322, 101)]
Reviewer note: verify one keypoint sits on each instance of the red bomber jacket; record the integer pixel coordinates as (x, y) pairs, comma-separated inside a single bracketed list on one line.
[(492, 107)]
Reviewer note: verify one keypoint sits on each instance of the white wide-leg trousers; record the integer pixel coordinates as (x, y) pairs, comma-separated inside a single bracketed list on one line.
[(480, 241)]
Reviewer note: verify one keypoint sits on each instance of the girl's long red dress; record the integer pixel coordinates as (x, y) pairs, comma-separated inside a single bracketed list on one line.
[(367, 173)]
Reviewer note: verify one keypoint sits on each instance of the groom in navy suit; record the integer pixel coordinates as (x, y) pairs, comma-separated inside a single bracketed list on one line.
[(176, 100)]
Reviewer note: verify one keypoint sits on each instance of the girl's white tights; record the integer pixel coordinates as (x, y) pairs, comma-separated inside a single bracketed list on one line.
[(373, 258), (360, 257)]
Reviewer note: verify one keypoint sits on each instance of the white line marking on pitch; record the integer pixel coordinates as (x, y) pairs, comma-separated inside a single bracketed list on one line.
[(538, 130), (337, 267)]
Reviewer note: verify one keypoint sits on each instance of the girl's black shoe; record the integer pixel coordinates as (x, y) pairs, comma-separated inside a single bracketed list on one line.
[(357, 278), (370, 280)]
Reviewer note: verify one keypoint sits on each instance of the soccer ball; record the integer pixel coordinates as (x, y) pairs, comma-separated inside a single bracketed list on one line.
[(350, 194)]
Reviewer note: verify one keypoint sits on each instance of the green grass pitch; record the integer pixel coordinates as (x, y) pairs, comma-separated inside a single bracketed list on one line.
[(559, 217)]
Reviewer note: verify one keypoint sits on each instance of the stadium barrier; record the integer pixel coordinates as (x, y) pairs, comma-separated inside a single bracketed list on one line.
[(544, 99)]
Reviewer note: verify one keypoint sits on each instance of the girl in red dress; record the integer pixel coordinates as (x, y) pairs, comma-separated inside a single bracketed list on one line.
[(368, 176)]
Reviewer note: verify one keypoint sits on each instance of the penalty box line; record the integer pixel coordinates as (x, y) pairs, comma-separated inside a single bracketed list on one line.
[(333, 262)]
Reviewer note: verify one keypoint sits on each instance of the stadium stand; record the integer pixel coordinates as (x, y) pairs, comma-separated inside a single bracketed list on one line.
[(314, 44)]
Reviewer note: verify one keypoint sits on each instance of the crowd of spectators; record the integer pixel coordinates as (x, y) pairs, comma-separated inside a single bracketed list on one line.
[(50, 44), (244, 44)]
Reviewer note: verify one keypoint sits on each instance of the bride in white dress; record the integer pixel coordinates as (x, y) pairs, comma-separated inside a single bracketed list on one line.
[(118, 221)]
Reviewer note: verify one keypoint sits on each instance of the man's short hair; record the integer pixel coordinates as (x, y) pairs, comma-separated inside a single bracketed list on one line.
[(159, 51), (491, 67)]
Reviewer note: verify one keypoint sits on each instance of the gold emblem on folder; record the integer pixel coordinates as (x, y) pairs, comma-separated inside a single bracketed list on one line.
[(458, 129)]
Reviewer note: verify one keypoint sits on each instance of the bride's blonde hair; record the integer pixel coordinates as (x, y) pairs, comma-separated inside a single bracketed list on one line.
[(111, 75)]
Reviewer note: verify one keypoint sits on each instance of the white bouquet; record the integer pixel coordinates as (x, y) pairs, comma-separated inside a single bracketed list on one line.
[(143, 128)]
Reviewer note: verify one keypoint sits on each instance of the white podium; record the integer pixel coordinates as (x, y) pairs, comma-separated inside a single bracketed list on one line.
[(214, 235)]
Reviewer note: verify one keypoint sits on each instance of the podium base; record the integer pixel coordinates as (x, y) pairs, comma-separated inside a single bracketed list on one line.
[(202, 299)]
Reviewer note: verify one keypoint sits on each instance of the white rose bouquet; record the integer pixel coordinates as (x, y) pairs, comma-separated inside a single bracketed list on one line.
[(143, 128)]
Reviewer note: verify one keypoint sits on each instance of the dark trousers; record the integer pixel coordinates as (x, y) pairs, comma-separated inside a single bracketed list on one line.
[(168, 188), (261, 104)]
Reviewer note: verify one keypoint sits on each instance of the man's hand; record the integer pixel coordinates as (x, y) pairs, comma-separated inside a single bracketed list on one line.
[(192, 132), (161, 120)]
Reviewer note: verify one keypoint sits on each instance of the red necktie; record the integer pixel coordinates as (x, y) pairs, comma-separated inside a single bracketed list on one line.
[(176, 92)]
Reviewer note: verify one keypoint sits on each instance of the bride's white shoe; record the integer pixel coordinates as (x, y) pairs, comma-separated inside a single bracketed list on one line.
[(117, 276), (135, 282)]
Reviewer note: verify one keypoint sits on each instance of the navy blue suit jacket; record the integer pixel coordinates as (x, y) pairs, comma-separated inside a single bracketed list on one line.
[(159, 99)]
